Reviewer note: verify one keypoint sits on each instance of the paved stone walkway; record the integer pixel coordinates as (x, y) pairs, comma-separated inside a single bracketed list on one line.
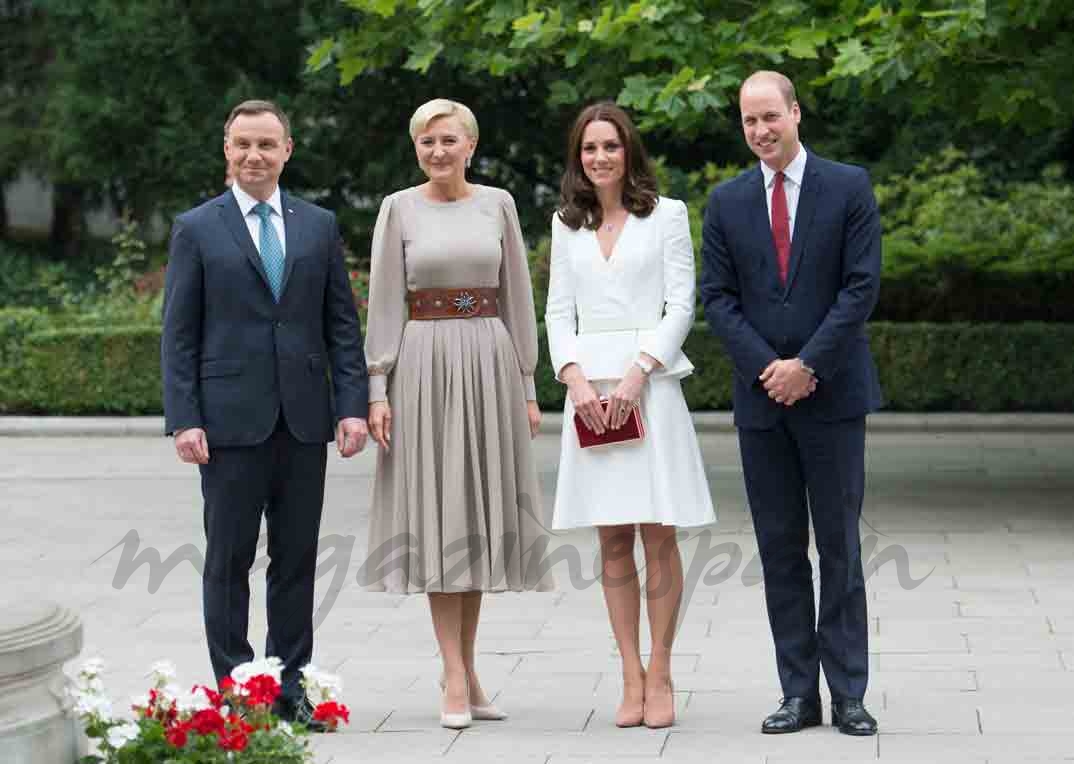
[(971, 607)]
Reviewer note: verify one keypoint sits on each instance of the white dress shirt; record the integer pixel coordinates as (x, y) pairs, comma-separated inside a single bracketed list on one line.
[(792, 185), (253, 220)]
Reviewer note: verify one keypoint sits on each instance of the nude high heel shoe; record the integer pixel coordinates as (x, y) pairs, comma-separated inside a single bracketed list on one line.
[(659, 719), (489, 713), (453, 721)]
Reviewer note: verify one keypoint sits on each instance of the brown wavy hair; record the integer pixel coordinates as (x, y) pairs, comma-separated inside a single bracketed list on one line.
[(578, 203)]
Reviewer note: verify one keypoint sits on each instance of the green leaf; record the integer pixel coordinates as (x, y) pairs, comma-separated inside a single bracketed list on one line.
[(422, 55), (383, 8), (350, 67), (528, 22), (563, 93), (800, 47), (874, 15), (638, 91), (853, 60), (321, 56)]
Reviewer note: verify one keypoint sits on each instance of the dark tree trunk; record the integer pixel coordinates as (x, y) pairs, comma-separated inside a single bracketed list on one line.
[(66, 235)]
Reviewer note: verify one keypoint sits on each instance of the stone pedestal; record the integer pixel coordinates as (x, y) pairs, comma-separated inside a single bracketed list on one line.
[(35, 641)]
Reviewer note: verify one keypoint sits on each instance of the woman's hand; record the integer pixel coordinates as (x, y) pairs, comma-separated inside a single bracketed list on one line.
[(534, 414), (625, 396), (380, 423), (584, 398)]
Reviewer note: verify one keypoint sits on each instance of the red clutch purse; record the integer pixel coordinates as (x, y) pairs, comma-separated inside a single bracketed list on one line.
[(632, 430)]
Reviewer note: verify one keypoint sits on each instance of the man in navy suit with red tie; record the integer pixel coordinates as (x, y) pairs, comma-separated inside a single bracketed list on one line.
[(791, 273)]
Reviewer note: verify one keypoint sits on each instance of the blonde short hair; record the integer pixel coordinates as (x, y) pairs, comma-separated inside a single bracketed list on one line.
[(442, 107)]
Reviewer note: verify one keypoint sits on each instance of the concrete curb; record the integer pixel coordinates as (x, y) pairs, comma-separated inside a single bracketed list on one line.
[(704, 421)]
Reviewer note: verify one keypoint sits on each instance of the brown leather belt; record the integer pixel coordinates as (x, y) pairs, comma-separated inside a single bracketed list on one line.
[(430, 304)]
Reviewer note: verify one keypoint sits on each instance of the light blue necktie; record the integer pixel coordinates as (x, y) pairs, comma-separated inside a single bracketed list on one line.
[(271, 249)]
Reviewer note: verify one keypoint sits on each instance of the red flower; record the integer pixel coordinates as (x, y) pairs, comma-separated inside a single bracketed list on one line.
[(207, 722), (227, 685), (214, 697), (331, 713), (176, 735), (235, 738), (262, 690)]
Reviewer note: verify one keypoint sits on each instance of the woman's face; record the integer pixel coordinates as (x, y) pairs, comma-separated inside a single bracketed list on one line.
[(603, 155), (443, 148)]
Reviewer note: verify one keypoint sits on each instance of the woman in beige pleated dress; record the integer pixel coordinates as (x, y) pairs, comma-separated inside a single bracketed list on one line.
[(451, 349)]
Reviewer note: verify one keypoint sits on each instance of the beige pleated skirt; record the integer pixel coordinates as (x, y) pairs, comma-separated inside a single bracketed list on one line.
[(456, 505)]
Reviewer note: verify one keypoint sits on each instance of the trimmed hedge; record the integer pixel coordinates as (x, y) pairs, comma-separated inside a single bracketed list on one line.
[(93, 371), (923, 367), (16, 325)]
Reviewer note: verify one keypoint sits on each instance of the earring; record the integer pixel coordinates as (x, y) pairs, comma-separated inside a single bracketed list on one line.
[(468, 162)]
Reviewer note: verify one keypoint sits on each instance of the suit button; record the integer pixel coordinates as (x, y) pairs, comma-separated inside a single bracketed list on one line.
[(279, 323), (786, 305)]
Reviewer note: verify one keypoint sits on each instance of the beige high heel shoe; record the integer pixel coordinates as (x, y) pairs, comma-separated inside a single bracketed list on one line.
[(456, 720), (625, 719), (659, 720)]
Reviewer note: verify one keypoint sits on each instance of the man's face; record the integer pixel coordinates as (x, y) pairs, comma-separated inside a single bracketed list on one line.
[(769, 124), (257, 148)]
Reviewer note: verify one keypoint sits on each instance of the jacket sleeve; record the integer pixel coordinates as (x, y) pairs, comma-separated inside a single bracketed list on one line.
[(387, 300), (561, 312), (721, 295), (679, 277), (180, 339), (827, 349), (343, 336), (516, 296)]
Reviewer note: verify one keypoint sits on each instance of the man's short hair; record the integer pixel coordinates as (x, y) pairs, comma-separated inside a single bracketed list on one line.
[(780, 80), (259, 107)]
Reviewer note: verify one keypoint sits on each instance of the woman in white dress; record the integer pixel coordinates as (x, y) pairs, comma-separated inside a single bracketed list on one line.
[(620, 305)]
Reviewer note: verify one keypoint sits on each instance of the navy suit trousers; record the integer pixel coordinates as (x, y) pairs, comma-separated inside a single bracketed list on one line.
[(283, 479), (801, 469)]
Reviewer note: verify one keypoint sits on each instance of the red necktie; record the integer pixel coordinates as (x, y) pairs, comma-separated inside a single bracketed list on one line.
[(781, 227)]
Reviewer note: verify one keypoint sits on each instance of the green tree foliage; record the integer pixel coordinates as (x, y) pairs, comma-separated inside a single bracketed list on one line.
[(680, 61)]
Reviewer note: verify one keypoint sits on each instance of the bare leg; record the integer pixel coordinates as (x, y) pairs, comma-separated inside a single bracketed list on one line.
[(663, 598), (447, 612), (471, 612), (622, 595)]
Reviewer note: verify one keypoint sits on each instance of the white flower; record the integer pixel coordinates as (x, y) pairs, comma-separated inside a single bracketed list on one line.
[(122, 734), (162, 673), (90, 704), (286, 728), (272, 666), (91, 668), (320, 685), (585, 26), (192, 702), (89, 684)]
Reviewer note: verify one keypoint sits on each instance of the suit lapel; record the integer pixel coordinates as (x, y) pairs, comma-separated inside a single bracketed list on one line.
[(812, 186), (233, 220), (762, 229), (291, 223)]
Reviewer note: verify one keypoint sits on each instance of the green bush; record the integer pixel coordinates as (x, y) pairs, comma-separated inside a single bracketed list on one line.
[(16, 324), (923, 367), (93, 371)]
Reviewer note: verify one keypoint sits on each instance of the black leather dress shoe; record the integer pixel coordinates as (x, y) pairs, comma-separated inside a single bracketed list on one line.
[(851, 718), (794, 715), (299, 712)]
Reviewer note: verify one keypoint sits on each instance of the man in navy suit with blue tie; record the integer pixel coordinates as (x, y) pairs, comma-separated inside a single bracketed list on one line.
[(262, 364), (791, 272)]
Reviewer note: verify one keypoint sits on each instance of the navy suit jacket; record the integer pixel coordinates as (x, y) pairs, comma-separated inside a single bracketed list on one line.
[(231, 356), (819, 316)]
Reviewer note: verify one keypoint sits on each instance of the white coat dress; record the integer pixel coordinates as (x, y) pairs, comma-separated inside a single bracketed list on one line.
[(601, 314)]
